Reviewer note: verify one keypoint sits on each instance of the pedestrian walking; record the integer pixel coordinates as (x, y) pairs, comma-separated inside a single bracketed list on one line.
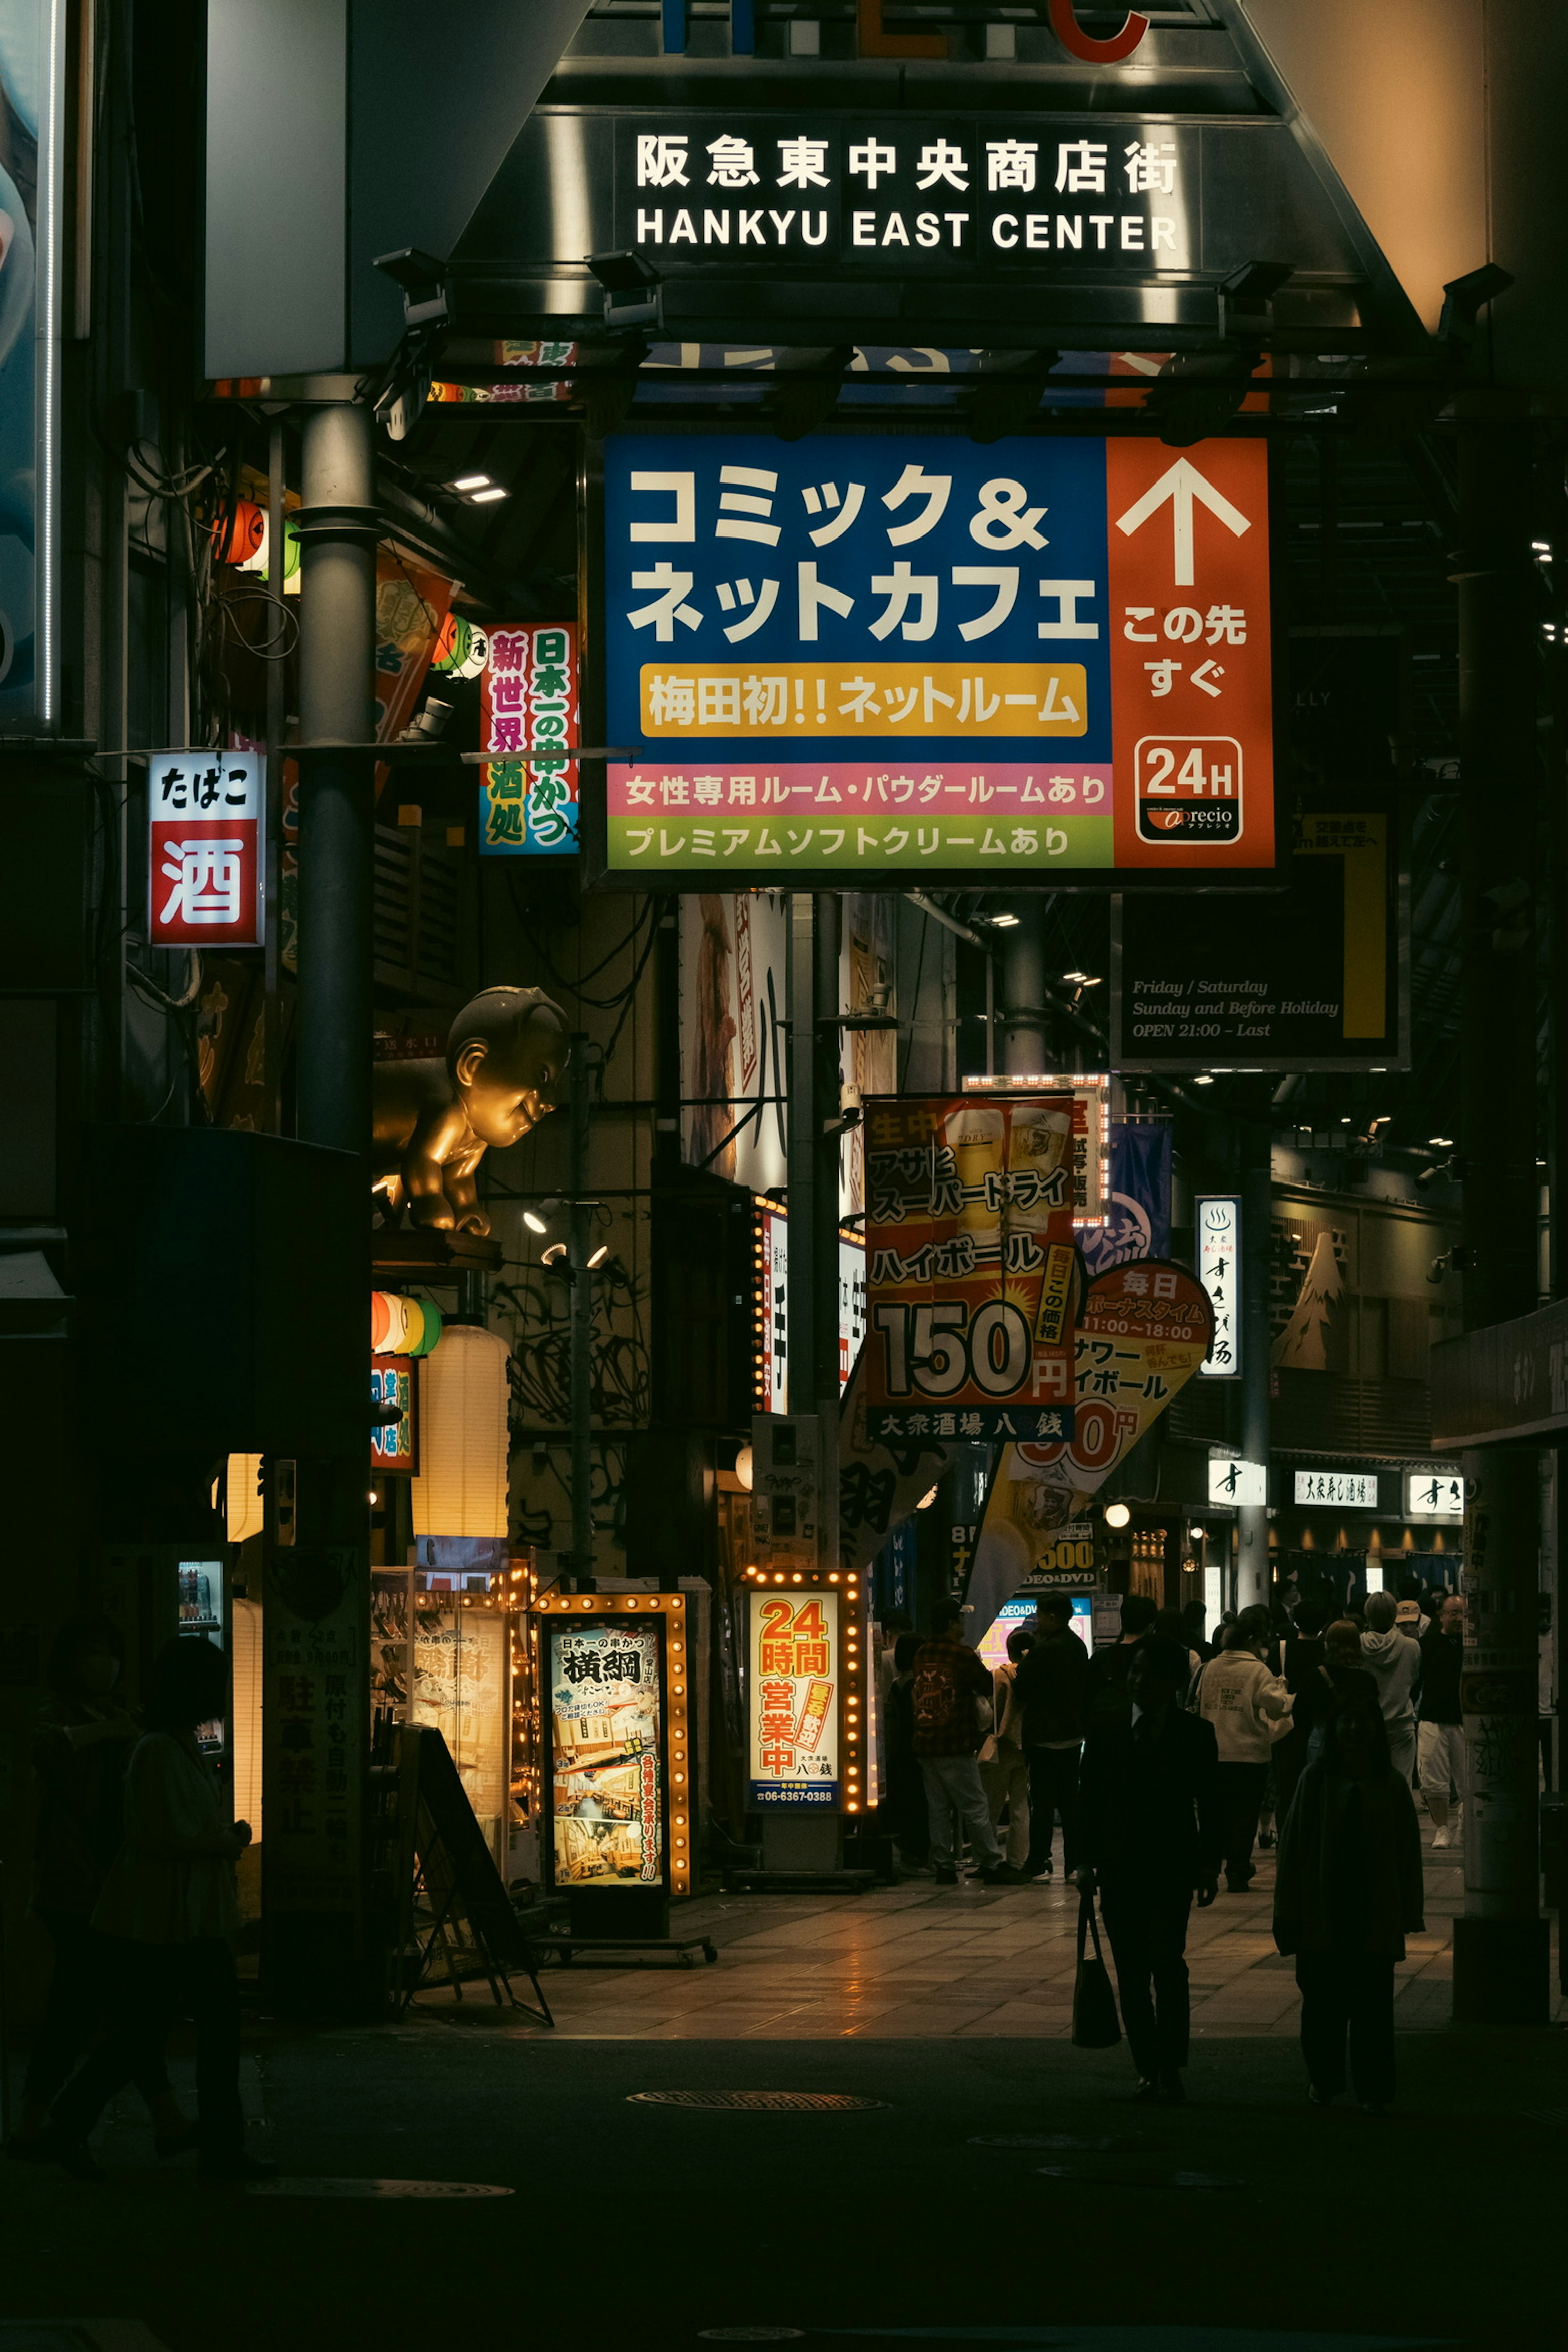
[(949, 1679), (1340, 1672), (1440, 1731), (85, 1735), (1108, 1668), (1249, 1708), (1394, 1661), (1348, 1893), (1151, 1840), (168, 1907), (1003, 1766), (907, 1802), (1053, 1687)]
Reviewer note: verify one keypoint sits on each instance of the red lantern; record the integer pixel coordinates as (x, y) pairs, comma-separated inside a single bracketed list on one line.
[(244, 536)]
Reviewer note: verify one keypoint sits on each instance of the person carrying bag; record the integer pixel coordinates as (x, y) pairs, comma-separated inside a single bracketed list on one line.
[(1095, 2024)]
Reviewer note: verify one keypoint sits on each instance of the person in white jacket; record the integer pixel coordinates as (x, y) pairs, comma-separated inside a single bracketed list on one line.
[(1249, 1708), (1394, 1661)]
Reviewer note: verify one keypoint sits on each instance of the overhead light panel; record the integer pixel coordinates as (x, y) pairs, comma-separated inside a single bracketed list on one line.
[(485, 498), (1004, 922), (472, 482), (600, 1254), (535, 1224)]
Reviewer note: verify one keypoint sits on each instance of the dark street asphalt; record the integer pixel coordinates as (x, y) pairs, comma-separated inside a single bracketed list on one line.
[(648, 2224)]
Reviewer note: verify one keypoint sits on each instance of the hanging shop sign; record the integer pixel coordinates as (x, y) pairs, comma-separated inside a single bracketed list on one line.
[(607, 1785), (793, 1673), (770, 1320), (401, 1325), (868, 658), (204, 825), (970, 1268), (395, 1444), (1354, 1490), (1138, 1197), (1234, 1481), (1218, 1217), (1310, 981), (1434, 1495), (528, 718), (1142, 1330)]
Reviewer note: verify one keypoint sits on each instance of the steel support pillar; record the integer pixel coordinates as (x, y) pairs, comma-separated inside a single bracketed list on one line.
[(1026, 1048), (315, 1951), (1253, 1577), (1500, 1944), (811, 1298)]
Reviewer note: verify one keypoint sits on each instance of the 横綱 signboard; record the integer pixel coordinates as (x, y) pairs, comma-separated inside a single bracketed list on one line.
[(890, 658)]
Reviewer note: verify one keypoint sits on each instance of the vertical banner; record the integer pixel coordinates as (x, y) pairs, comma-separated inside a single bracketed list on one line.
[(1142, 1332), (1137, 1208), (528, 718), (793, 1671), (203, 829), (971, 1267), (1218, 1216), (1191, 695)]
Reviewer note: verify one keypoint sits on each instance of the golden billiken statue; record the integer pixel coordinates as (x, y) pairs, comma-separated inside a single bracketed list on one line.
[(435, 1120)]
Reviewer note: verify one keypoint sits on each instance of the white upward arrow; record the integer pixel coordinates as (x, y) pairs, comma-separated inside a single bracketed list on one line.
[(1181, 484)]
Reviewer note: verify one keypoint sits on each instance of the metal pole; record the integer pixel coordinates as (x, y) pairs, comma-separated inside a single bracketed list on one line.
[(1501, 1945), (337, 651), (1026, 1050), (277, 721), (580, 1332), (1252, 1519), (314, 1944)]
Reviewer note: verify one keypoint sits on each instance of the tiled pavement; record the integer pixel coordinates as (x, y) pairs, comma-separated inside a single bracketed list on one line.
[(915, 1961)]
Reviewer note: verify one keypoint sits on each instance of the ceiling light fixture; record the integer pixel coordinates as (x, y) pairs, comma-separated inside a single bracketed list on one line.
[(472, 482), (486, 498), (535, 1224), (1004, 922)]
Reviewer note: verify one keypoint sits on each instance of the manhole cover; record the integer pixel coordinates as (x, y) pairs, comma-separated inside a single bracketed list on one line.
[(329, 2188), (1129, 2177), (1051, 2140), (836, 2100)]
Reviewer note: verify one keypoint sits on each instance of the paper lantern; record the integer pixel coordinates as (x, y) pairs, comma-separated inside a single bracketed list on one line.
[(462, 1489), (241, 538), (402, 1327), (243, 1501)]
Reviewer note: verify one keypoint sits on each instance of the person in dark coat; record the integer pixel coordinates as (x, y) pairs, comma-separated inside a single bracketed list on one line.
[(1339, 1672), (1152, 1838), (85, 1736), (1107, 1668), (1348, 1891), (1052, 1689)]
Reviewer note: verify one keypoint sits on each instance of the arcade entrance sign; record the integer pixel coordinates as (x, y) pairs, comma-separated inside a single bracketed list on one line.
[(911, 657)]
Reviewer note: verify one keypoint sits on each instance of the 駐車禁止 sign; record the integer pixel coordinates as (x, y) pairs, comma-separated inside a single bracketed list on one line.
[(894, 657)]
